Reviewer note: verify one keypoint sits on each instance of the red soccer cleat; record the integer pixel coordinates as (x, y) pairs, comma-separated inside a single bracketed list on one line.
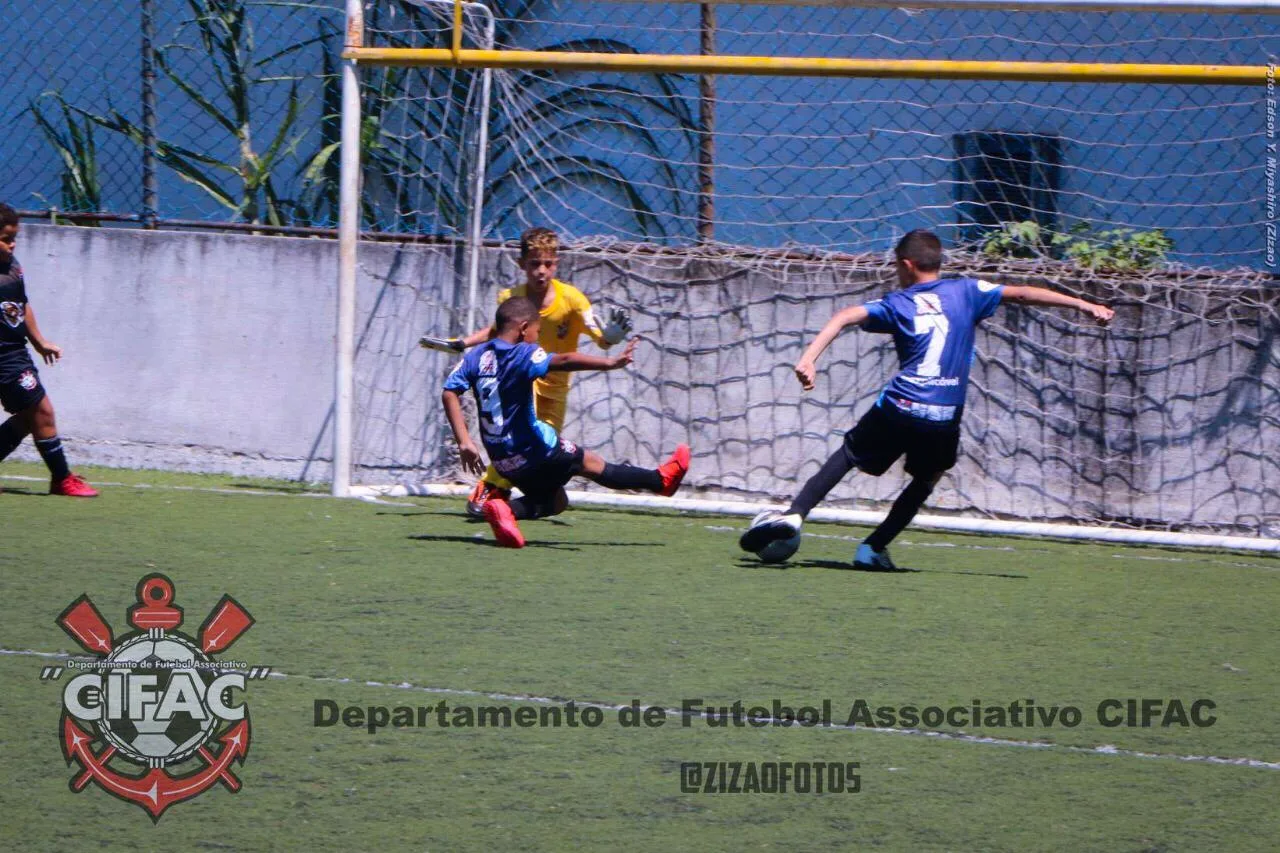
[(482, 493), (73, 486), (503, 522), (673, 470)]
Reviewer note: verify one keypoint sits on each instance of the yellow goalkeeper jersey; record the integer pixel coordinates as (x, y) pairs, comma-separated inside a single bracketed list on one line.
[(567, 318)]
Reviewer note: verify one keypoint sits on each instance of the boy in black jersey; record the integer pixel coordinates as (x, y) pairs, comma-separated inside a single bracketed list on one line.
[(21, 393)]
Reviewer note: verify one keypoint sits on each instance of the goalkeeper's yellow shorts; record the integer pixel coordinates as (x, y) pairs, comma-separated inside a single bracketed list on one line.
[(550, 410)]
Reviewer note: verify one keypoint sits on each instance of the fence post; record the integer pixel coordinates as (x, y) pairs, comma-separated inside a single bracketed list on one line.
[(150, 188)]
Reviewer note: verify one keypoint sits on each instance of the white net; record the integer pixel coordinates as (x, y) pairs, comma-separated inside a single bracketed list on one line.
[(1166, 420), (829, 163)]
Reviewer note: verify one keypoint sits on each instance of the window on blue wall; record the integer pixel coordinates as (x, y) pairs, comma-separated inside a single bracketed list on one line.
[(1006, 177)]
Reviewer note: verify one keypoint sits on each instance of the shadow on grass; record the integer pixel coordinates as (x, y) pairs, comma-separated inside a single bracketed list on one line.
[(471, 519), (748, 563), (489, 543), (26, 493)]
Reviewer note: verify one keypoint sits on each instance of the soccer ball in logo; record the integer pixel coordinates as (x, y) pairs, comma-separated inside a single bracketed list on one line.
[(148, 738)]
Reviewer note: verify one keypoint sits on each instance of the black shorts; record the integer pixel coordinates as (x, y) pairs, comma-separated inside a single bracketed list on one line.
[(542, 481), (884, 434), (21, 389)]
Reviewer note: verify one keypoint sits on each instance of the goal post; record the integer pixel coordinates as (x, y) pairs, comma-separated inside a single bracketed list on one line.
[(1115, 164)]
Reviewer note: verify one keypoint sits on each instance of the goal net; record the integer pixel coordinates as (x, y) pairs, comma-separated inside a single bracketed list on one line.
[(733, 213)]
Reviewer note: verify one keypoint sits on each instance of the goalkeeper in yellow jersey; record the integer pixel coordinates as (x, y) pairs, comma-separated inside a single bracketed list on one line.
[(566, 315)]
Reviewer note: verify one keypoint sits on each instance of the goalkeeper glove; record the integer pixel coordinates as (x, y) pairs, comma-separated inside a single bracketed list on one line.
[(619, 326), (441, 344)]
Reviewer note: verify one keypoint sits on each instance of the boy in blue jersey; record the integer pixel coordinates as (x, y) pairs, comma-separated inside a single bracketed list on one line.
[(523, 449), (932, 321)]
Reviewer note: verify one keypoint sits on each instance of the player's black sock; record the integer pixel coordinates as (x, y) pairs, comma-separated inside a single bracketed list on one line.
[(12, 432), (51, 452), (628, 477), (904, 509), (832, 472)]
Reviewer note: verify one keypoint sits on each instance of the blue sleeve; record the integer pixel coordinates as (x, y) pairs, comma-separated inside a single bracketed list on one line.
[(986, 298), (879, 317), (537, 362), (459, 378)]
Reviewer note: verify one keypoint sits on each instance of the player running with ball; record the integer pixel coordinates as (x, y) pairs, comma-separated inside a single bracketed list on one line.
[(525, 450), (566, 315), (932, 321)]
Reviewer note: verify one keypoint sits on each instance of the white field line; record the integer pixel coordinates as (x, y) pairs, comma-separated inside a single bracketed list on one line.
[(211, 489), (676, 713)]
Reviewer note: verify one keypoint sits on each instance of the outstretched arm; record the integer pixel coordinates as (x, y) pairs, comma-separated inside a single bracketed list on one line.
[(1027, 295), (471, 460), (566, 361), (807, 367), (479, 336), (50, 352), (457, 344)]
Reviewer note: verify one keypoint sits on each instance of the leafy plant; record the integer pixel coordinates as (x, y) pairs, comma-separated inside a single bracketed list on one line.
[(416, 169), (74, 144), (1110, 250), (246, 185)]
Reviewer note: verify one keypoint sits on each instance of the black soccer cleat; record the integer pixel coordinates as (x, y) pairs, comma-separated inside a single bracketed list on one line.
[(769, 526)]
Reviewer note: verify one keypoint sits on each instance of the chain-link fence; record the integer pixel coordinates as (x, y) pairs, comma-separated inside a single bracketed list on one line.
[(244, 126), (229, 104)]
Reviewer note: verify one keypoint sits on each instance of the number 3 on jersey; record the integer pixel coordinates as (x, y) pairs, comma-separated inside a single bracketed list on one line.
[(491, 420), (932, 322)]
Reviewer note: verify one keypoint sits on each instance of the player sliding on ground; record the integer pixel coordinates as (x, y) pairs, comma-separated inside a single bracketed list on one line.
[(527, 451), (566, 315), (932, 321)]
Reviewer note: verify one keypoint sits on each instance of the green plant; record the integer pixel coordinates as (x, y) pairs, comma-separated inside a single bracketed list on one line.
[(416, 173), (247, 185), (1109, 250), (1119, 249), (81, 191)]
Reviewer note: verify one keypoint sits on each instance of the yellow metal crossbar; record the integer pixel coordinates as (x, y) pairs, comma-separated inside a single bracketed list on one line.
[(800, 66)]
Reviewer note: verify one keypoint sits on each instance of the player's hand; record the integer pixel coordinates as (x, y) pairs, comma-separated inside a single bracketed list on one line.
[(806, 372), (471, 461), (619, 326), (626, 356), (49, 352), (1100, 313), (441, 344)]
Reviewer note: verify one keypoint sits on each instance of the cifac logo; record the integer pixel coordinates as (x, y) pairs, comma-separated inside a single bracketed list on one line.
[(154, 699)]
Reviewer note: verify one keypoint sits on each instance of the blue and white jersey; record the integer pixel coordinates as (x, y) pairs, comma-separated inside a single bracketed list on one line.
[(501, 375), (933, 328)]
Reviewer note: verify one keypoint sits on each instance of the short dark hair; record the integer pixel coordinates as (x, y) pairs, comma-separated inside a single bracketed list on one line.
[(922, 248), (538, 240), (513, 312), (8, 216)]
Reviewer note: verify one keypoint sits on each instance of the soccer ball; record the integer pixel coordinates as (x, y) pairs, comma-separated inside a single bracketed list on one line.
[(167, 741), (780, 550)]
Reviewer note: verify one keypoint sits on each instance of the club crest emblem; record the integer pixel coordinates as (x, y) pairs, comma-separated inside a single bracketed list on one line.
[(27, 380), (13, 313), (154, 699)]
